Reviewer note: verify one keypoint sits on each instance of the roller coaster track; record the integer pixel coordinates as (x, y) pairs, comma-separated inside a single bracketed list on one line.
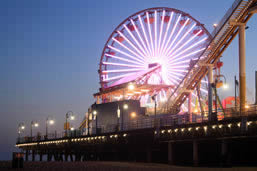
[(222, 36)]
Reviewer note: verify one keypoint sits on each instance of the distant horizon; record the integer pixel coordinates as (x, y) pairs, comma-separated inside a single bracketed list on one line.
[(50, 53)]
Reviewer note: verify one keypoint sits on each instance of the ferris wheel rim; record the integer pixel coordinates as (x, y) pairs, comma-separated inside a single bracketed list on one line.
[(103, 67)]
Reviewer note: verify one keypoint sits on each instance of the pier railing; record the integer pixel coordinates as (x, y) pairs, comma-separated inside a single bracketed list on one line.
[(145, 122)]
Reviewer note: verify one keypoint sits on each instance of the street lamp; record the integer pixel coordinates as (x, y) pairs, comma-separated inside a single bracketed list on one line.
[(125, 107), (33, 124), (49, 121), (95, 117), (69, 115), (118, 118), (133, 115), (21, 127), (155, 105), (131, 86)]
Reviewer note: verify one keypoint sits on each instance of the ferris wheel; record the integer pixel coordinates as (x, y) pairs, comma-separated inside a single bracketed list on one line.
[(164, 37), (161, 37)]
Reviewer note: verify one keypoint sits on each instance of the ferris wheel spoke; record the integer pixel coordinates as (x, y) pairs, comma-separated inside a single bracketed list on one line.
[(179, 66), (181, 39), (123, 59), (155, 33), (174, 77), (178, 74), (124, 46), (180, 62), (173, 41), (188, 41), (146, 52), (185, 56), (121, 70), (171, 34), (161, 29), (133, 37), (180, 70), (166, 32), (124, 53), (189, 48), (118, 77), (143, 28), (173, 80), (150, 32), (119, 64)]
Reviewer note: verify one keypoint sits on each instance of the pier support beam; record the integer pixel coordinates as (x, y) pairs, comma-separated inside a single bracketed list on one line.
[(195, 153), (27, 155), (242, 75), (49, 156), (66, 157), (170, 153), (33, 155), (71, 157), (210, 81), (190, 107), (40, 157)]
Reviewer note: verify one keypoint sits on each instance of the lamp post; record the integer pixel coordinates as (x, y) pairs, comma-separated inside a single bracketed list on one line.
[(33, 124), (95, 116), (118, 118), (69, 115), (48, 121), (21, 127), (155, 105), (125, 107)]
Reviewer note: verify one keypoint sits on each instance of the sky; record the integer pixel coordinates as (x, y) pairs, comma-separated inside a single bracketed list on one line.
[(50, 51)]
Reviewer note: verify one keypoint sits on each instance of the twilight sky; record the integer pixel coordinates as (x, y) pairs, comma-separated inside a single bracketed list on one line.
[(50, 50)]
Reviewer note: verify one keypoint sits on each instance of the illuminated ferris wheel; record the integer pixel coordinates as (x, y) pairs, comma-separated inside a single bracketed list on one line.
[(156, 36), (162, 37)]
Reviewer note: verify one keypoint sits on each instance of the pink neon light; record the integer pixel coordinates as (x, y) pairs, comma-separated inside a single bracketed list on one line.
[(124, 53), (173, 41), (118, 64), (127, 48), (117, 77), (188, 31), (150, 32), (140, 37), (179, 66), (172, 32), (131, 44), (160, 37), (143, 28), (155, 33), (192, 53), (123, 59), (178, 74), (181, 62), (165, 35), (189, 40), (122, 70), (190, 47)]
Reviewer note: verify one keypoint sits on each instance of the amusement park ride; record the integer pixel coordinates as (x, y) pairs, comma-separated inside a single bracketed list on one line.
[(160, 58), (162, 65)]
